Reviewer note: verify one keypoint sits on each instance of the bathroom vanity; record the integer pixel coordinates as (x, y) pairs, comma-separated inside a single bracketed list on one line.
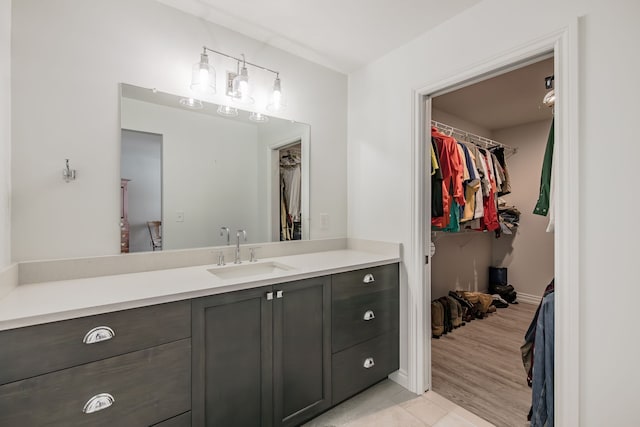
[(256, 345)]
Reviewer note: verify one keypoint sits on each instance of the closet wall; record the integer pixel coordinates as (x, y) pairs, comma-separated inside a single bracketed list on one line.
[(462, 260), (528, 254)]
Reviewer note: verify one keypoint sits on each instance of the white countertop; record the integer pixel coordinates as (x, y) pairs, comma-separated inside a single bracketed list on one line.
[(31, 304)]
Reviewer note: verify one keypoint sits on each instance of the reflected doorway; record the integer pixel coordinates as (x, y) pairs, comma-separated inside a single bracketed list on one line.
[(290, 161), (141, 205)]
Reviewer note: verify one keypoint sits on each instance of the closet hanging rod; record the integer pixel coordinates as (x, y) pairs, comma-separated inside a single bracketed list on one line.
[(472, 137)]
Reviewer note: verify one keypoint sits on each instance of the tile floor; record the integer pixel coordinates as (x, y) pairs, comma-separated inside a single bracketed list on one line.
[(387, 404)]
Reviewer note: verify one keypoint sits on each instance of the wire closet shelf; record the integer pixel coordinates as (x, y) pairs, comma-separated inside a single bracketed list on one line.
[(472, 137)]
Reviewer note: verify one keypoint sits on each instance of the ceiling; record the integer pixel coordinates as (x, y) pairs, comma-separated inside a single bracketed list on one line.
[(342, 35), (510, 99)]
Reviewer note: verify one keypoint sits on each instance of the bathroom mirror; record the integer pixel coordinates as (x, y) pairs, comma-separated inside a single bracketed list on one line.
[(188, 171)]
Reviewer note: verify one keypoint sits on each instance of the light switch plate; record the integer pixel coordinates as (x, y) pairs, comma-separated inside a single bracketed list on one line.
[(324, 221)]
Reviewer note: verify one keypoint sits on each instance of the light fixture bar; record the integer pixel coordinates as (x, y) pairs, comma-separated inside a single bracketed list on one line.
[(241, 60)]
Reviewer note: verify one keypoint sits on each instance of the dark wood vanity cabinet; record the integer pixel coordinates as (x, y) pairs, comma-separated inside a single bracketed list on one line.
[(130, 367), (365, 323), (270, 356), (262, 357)]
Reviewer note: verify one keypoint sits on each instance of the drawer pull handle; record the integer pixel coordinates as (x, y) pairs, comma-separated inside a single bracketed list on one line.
[(269, 296), (368, 315), (279, 294), (368, 363), (368, 278), (101, 333), (98, 403)]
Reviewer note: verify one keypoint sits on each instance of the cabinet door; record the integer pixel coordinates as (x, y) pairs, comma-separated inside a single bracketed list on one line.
[(232, 359), (302, 350)]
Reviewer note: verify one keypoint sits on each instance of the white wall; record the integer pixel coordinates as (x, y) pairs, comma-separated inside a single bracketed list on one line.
[(528, 253), (5, 133), (142, 165), (209, 172), (68, 58), (380, 142)]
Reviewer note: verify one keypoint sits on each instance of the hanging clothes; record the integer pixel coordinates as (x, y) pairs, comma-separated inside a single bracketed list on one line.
[(292, 181), (471, 186), (506, 184), (490, 219), (465, 183), (542, 205), (452, 176), (436, 182), (537, 357)]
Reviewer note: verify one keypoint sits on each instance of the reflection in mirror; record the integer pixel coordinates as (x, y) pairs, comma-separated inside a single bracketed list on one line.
[(187, 173)]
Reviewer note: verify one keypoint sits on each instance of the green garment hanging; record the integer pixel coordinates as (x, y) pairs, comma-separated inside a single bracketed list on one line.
[(542, 206)]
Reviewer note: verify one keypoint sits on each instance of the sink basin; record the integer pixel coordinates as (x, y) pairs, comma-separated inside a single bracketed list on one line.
[(248, 269)]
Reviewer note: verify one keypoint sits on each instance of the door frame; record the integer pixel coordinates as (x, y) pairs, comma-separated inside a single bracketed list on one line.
[(565, 198)]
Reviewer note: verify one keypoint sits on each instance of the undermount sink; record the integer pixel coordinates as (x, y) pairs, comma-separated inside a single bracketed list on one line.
[(248, 269)]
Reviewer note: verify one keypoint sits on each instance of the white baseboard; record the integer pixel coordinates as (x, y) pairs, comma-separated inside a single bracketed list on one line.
[(400, 377), (528, 298)]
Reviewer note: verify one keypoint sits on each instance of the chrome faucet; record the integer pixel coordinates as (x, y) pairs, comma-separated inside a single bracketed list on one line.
[(222, 230), (238, 233)]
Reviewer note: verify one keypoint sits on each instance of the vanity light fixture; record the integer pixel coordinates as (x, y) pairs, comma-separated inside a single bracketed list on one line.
[(276, 102), (225, 110), (194, 104), (240, 84), (239, 88), (203, 76), (258, 117)]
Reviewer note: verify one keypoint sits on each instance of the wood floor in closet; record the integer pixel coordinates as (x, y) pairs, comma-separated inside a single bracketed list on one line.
[(479, 366)]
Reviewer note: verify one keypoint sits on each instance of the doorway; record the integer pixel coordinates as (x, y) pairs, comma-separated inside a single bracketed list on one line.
[(504, 123), (290, 180), (564, 45), (141, 206)]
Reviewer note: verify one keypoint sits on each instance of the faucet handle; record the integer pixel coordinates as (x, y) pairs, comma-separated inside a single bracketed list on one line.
[(221, 258), (252, 255)]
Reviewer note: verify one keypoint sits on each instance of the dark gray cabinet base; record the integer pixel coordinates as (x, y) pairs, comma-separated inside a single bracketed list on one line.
[(148, 386)]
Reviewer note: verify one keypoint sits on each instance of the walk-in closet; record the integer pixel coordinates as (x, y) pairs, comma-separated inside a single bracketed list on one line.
[(492, 256)]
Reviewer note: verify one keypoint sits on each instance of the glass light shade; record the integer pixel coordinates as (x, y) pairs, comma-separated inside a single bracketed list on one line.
[(192, 103), (240, 87), (225, 110), (276, 102), (203, 77), (258, 117)]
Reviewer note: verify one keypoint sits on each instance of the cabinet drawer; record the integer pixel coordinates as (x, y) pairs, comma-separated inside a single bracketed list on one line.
[(22, 350), (366, 280), (349, 374), (147, 386), (360, 318), (183, 420)]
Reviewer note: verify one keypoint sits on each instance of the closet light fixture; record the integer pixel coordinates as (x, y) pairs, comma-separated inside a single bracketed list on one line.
[(227, 111), (203, 76), (258, 117), (238, 86)]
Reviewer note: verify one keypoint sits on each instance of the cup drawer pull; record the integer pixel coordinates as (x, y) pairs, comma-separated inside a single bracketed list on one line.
[(98, 334), (368, 278), (368, 315), (368, 363), (98, 403)]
